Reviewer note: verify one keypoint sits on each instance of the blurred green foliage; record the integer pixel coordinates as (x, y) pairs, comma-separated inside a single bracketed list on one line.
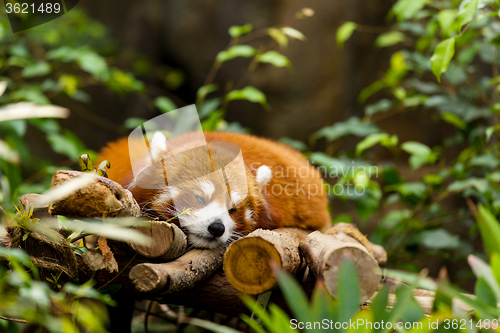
[(422, 212)]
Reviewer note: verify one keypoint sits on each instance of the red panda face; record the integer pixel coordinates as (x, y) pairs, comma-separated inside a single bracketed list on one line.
[(208, 213), (210, 191)]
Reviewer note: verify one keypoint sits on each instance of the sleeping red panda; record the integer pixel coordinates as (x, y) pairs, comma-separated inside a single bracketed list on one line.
[(281, 188)]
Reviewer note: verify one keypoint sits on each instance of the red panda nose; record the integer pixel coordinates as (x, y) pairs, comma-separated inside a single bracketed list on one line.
[(216, 228)]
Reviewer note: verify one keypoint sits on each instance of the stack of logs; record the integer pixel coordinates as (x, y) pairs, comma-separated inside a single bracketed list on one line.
[(166, 271)]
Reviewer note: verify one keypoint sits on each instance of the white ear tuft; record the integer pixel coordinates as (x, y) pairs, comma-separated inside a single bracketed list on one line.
[(158, 144), (264, 175)]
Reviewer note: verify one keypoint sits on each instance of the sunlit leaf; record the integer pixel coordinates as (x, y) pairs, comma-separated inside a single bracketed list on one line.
[(165, 104), (238, 30), (274, 58), (250, 94), (235, 51), (294, 33), (389, 39), (443, 53), (489, 228), (466, 14), (344, 32)]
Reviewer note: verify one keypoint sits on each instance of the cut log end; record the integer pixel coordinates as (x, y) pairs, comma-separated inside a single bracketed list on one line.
[(246, 265), (368, 270), (167, 241), (325, 253), (147, 278)]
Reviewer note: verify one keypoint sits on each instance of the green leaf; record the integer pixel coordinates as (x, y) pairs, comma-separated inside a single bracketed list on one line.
[(370, 141), (296, 144), (165, 104), (238, 30), (274, 58), (295, 297), (490, 130), (382, 105), (443, 53), (489, 228), (406, 9), (344, 32), (484, 293), (483, 271), (235, 51), (389, 38), (454, 120), (250, 94), (65, 145), (420, 154), (208, 107), (348, 292), (93, 63), (467, 14), (294, 33), (279, 36), (446, 18), (479, 184), (134, 122), (37, 69), (204, 91), (437, 239), (353, 125)]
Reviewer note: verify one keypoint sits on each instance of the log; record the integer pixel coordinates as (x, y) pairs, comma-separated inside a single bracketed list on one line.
[(167, 241), (180, 274), (39, 211), (101, 198), (348, 233), (247, 260), (324, 253)]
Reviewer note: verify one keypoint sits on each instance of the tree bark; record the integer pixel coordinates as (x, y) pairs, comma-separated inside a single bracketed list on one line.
[(102, 198), (168, 241), (180, 274), (324, 254), (247, 260)]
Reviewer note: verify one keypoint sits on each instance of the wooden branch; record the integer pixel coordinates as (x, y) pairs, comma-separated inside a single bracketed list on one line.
[(103, 197), (324, 253), (180, 274), (29, 200), (349, 233), (247, 260), (168, 241)]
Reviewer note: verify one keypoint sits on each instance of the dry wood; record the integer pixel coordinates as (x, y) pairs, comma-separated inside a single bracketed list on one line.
[(167, 241), (180, 274), (39, 211), (247, 261), (103, 197), (348, 233), (324, 253)]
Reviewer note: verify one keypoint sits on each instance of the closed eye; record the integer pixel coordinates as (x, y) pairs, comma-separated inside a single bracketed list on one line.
[(201, 201)]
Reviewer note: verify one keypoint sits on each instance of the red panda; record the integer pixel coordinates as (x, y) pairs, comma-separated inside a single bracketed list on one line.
[(281, 188)]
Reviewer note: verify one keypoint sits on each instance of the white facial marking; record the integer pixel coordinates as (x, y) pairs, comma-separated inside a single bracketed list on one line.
[(158, 144), (208, 188), (197, 225), (248, 215), (264, 175), (235, 198), (168, 194)]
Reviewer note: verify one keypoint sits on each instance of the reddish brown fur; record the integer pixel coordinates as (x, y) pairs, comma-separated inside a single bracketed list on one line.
[(298, 208)]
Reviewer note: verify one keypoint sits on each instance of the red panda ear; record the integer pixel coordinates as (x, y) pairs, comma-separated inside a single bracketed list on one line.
[(158, 145), (263, 176)]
